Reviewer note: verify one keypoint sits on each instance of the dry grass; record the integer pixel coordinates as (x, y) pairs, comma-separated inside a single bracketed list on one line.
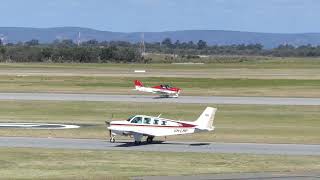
[(276, 68), (190, 86), (27, 163)]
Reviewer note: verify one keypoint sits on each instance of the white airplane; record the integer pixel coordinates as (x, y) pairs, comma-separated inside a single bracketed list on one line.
[(164, 90), (142, 125)]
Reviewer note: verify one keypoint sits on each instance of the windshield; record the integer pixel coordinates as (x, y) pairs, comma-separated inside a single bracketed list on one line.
[(165, 86), (130, 118)]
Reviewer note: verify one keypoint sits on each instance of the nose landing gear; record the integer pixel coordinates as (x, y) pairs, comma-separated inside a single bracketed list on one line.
[(112, 139)]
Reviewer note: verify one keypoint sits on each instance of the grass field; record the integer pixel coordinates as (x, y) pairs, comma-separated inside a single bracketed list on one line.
[(84, 164), (261, 63), (286, 68), (234, 123), (190, 86)]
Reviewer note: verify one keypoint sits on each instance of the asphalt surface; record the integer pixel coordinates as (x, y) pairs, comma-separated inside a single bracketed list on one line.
[(241, 176), (171, 146), (143, 98)]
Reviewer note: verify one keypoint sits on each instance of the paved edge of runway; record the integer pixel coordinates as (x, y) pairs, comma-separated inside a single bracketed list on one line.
[(240, 176), (144, 98), (170, 146)]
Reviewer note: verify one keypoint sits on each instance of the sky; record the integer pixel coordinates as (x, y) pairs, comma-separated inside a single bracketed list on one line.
[(277, 16)]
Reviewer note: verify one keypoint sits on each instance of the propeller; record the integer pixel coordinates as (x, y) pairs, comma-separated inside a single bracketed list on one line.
[(108, 124)]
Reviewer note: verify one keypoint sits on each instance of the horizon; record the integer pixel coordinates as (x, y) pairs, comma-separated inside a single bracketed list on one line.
[(159, 31), (272, 16)]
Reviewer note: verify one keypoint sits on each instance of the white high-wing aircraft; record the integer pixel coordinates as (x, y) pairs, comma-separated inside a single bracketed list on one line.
[(164, 90), (142, 125)]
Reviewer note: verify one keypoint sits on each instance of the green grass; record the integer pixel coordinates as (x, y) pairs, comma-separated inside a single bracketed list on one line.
[(248, 62), (272, 68), (234, 123), (190, 86), (87, 164)]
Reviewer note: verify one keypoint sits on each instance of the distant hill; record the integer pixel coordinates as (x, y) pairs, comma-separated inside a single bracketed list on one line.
[(212, 37)]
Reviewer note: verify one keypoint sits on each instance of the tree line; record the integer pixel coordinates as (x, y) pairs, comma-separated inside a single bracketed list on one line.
[(92, 51), (202, 48), (67, 51)]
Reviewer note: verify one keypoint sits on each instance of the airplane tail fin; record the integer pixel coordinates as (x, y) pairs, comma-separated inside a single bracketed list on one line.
[(138, 83), (205, 120)]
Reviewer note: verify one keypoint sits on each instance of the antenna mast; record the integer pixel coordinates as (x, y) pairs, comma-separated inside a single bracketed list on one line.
[(2, 39), (142, 46), (79, 38)]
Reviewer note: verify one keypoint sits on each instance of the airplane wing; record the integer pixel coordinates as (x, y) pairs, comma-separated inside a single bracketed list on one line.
[(150, 133), (163, 92)]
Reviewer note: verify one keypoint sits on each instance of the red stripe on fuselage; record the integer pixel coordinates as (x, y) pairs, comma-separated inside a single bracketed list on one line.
[(171, 89), (184, 125)]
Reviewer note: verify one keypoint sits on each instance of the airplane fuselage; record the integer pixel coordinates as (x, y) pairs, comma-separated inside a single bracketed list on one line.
[(142, 125), (127, 128), (162, 92)]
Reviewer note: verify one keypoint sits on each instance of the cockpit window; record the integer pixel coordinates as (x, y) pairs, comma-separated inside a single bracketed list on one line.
[(165, 86), (146, 120), (137, 120)]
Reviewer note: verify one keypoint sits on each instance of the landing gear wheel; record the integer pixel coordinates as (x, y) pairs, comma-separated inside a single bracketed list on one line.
[(112, 140), (137, 142), (149, 139)]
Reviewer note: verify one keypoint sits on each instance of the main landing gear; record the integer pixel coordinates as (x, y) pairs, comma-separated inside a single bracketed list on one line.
[(150, 139)]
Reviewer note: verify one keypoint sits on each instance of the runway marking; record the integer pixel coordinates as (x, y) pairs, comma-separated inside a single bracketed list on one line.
[(139, 71), (38, 126)]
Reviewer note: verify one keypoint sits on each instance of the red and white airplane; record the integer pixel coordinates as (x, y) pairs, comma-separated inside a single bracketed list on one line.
[(163, 90), (142, 125)]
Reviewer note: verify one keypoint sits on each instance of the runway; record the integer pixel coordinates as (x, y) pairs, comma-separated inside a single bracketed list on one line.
[(171, 146), (143, 98), (241, 176)]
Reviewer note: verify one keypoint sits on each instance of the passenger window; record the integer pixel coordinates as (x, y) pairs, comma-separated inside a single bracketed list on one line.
[(137, 120), (146, 121), (156, 121), (163, 123)]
